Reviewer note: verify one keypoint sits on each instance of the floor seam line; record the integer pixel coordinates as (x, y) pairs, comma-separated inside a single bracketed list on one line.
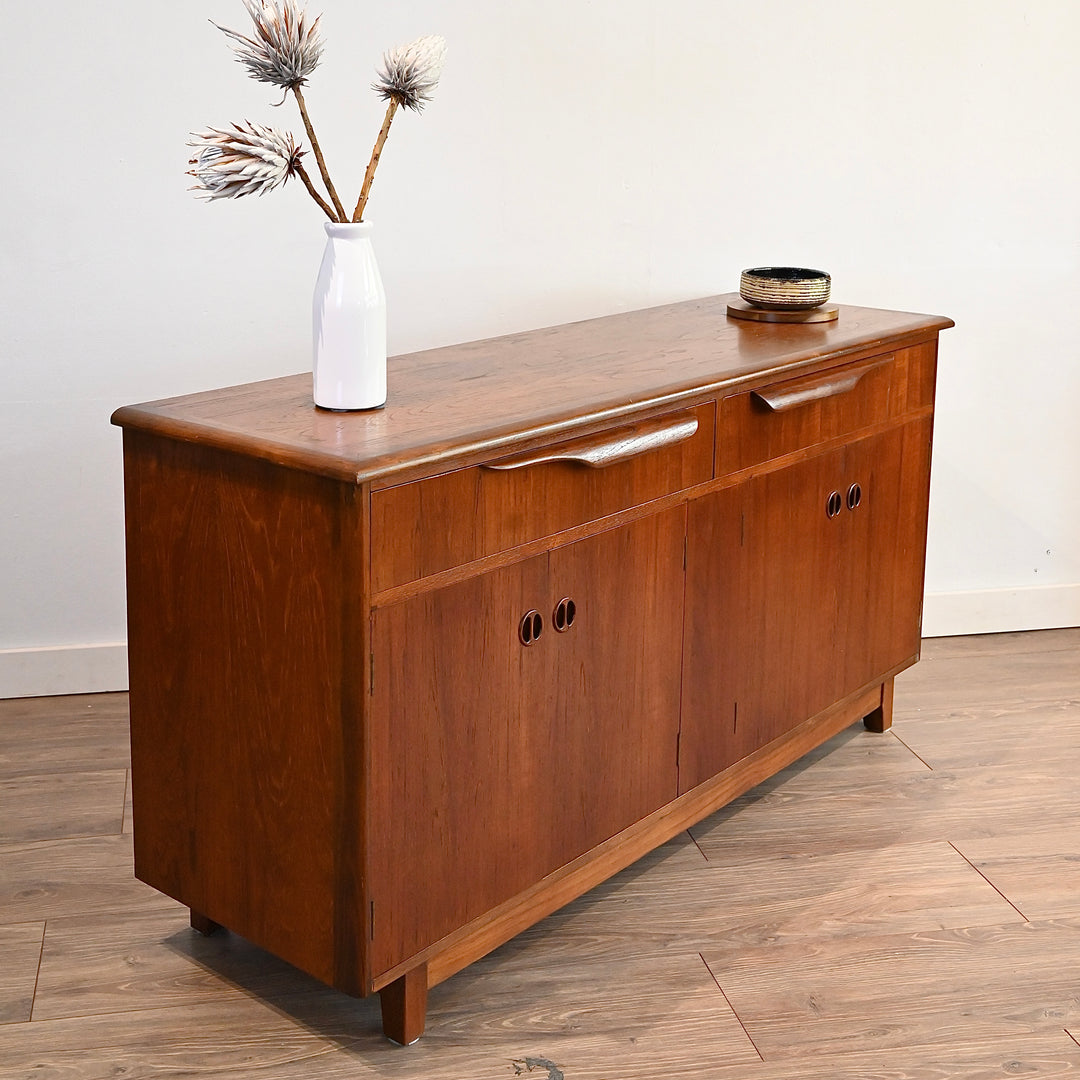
[(749, 1037), (910, 751), (699, 847), (37, 974), (988, 881)]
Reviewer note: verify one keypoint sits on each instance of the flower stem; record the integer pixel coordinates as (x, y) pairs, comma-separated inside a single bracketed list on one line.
[(340, 216), (302, 173), (376, 153)]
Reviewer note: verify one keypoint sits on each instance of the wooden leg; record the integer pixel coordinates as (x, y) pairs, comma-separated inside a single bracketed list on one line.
[(205, 926), (404, 1006), (881, 718)]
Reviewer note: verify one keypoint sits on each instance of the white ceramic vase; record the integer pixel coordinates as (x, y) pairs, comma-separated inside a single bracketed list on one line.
[(349, 322)]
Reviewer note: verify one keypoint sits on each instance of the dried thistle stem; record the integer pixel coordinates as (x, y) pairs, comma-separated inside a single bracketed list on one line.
[(340, 216), (327, 209), (376, 153)]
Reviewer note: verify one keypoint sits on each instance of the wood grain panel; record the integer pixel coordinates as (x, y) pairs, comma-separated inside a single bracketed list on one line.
[(64, 804), (457, 405), (235, 615), (825, 997), (482, 511), (20, 950)]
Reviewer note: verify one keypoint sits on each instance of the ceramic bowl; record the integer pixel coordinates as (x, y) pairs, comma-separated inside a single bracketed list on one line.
[(784, 288)]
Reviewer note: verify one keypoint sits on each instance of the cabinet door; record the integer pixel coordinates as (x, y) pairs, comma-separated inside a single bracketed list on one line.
[(792, 608), (494, 762), (884, 551), (762, 605)]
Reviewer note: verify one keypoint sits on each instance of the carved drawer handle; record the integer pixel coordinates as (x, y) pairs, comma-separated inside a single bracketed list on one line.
[(609, 447), (790, 395)]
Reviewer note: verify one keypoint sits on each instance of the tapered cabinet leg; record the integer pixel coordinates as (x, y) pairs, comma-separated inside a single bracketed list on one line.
[(205, 926), (881, 718), (404, 1006)]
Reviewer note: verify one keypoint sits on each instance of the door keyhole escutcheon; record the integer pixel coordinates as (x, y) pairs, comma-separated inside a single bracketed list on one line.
[(531, 627), (563, 617)]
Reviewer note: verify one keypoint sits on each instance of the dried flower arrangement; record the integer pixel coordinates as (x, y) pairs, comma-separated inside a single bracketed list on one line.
[(286, 48)]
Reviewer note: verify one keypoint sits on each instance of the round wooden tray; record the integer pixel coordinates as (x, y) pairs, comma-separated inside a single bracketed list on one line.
[(740, 309)]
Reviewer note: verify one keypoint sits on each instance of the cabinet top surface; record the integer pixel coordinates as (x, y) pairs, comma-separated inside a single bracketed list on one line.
[(448, 405)]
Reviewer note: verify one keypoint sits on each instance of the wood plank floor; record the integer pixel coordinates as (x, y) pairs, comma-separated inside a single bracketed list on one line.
[(898, 906)]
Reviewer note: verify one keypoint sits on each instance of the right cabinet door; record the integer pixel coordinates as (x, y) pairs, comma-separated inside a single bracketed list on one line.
[(883, 552), (803, 585)]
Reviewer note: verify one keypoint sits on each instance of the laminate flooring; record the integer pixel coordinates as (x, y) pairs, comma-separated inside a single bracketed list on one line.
[(904, 905)]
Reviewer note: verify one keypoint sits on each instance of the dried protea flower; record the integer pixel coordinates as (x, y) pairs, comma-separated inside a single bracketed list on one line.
[(411, 72), (286, 48), (248, 160)]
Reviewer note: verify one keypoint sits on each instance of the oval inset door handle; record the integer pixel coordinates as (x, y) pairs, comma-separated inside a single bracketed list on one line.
[(854, 496), (563, 617), (531, 627), (834, 504)]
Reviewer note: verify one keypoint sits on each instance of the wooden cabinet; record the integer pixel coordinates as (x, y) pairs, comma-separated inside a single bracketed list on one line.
[(403, 682)]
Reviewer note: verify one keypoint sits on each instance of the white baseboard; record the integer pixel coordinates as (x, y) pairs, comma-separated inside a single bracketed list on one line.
[(63, 669), (996, 611)]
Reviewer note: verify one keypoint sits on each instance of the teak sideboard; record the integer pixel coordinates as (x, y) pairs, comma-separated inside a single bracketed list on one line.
[(403, 682)]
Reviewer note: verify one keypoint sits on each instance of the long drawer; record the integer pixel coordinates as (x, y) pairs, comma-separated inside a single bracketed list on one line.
[(792, 414), (429, 525)]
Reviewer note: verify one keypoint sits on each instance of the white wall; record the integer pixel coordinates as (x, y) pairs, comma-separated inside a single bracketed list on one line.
[(581, 157)]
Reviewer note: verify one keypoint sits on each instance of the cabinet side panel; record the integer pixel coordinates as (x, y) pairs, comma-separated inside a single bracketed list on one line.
[(234, 617)]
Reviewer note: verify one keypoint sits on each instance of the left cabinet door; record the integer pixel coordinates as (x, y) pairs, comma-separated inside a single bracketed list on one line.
[(494, 762)]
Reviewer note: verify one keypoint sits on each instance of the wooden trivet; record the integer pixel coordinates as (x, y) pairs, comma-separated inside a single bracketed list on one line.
[(740, 309)]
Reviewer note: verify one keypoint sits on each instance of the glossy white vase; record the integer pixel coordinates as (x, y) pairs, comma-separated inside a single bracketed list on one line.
[(349, 321)]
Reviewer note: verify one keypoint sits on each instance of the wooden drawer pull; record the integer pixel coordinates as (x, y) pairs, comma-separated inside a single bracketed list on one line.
[(790, 395), (609, 447)]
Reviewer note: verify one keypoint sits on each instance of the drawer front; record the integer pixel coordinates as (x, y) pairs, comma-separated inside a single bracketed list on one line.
[(430, 525), (788, 415)]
